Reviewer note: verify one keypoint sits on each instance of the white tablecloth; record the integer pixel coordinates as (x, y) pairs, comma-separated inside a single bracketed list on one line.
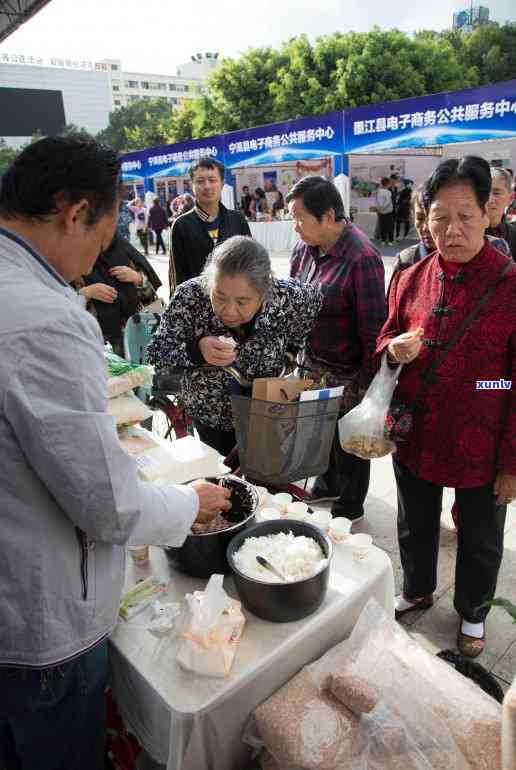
[(194, 723), (275, 236)]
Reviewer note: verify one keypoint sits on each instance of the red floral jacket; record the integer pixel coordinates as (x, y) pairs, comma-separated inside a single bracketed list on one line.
[(463, 435)]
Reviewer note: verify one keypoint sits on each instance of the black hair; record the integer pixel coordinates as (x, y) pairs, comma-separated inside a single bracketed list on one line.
[(385, 180), (260, 193), (394, 176), (318, 196), (470, 170), (60, 168), (417, 198), (208, 163)]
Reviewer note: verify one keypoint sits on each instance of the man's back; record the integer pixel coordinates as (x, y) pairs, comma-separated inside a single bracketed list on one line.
[(42, 329)]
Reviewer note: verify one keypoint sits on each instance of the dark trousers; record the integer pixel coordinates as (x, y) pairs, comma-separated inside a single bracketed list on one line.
[(54, 719), (387, 227), (144, 240), (348, 477), (405, 221), (159, 241), (479, 541)]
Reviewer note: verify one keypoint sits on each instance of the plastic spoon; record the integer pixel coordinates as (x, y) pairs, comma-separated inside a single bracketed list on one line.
[(264, 563)]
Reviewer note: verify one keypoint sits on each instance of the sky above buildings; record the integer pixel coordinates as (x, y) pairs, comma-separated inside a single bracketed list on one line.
[(156, 35)]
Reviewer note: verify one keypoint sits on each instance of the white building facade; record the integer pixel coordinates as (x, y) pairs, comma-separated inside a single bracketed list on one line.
[(91, 90), (187, 83)]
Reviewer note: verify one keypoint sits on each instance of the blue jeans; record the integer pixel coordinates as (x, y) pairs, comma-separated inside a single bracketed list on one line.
[(54, 718)]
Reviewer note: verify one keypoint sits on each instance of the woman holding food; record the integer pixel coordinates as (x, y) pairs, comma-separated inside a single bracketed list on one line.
[(236, 313), (452, 324)]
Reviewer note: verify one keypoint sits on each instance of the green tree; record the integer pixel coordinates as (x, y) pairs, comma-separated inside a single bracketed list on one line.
[(7, 156), (144, 123), (71, 129), (239, 93), (304, 85), (184, 122), (492, 51), (336, 72)]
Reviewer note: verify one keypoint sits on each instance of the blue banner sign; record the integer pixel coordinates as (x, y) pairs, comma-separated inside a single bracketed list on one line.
[(318, 136), (473, 115), (172, 160)]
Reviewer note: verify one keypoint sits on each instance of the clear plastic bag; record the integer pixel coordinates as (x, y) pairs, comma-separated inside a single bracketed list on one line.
[(361, 431), (212, 626), (402, 709)]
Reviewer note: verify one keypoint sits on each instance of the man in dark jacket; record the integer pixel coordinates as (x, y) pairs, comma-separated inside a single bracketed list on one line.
[(245, 202), (196, 233), (500, 198)]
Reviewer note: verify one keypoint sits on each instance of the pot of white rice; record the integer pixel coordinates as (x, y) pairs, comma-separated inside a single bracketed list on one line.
[(300, 551)]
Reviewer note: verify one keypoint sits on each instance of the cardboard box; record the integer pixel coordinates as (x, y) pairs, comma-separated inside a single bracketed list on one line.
[(279, 389)]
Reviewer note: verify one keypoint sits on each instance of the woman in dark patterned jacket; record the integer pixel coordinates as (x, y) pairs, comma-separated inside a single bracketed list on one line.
[(238, 298)]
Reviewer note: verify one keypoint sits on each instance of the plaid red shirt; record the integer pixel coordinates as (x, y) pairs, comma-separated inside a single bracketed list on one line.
[(354, 310)]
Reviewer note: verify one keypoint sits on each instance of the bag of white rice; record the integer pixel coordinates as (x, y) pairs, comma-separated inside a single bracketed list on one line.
[(128, 409)]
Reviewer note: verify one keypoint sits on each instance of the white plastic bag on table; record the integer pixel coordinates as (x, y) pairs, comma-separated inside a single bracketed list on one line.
[(212, 628), (361, 431)]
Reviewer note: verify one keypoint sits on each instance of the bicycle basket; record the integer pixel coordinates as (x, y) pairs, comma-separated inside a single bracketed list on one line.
[(279, 442)]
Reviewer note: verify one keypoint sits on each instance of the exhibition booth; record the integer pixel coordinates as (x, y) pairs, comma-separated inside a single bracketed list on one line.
[(271, 158), (411, 137), (355, 148)]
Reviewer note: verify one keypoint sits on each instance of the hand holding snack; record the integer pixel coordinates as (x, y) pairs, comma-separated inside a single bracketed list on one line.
[(406, 347), (215, 352)]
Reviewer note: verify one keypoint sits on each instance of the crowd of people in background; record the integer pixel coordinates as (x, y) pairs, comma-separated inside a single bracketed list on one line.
[(256, 206)]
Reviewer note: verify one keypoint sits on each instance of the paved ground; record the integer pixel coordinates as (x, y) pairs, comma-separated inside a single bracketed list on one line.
[(436, 628)]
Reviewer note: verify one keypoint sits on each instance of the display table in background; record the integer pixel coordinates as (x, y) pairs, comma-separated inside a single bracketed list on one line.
[(275, 236), (188, 722)]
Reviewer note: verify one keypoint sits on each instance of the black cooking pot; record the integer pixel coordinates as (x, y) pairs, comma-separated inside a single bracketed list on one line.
[(282, 602), (203, 555)]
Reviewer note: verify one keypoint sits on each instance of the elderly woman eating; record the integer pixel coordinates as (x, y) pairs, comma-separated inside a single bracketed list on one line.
[(452, 324), (235, 313)]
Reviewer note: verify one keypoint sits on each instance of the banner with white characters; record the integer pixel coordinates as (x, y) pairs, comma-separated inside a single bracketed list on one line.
[(488, 112)]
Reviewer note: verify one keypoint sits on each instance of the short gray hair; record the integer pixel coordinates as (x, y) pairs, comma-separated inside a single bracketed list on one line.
[(501, 173), (240, 255)]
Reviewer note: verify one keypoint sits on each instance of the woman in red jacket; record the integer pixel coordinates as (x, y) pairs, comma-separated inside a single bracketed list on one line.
[(464, 428)]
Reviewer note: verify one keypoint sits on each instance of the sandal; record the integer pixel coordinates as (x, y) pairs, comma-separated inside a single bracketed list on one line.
[(470, 646), (424, 603)]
